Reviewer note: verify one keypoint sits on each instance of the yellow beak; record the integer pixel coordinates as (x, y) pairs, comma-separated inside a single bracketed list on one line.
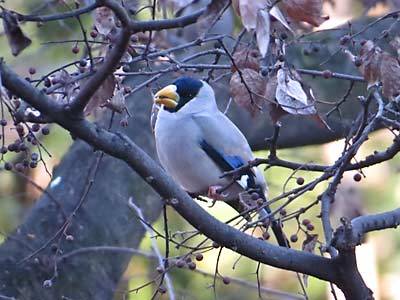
[(167, 96)]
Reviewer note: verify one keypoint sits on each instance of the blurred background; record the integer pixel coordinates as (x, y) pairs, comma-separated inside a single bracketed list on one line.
[(378, 258)]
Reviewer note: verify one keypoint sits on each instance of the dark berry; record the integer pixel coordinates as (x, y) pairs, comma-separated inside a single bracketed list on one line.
[(180, 263), (264, 72), (35, 127), (22, 147), (75, 49), (199, 257), (327, 74), (12, 147), (226, 280), (215, 245), (47, 82), (19, 128), (19, 167), (283, 212), (3, 150), (83, 62), (34, 156), (294, 238), (33, 164), (310, 227), (300, 180), (3, 122), (357, 61), (305, 222), (93, 34), (162, 289), (8, 166), (45, 131), (254, 196), (192, 266), (357, 177), (32, 70)]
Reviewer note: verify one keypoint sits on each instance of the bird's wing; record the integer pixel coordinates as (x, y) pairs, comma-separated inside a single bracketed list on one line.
[(225, 144)]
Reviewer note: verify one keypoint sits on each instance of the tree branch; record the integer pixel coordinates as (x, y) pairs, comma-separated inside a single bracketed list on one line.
[(120, 147)]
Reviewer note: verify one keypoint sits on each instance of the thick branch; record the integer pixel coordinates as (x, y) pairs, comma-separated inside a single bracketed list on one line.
[(363, 224), (123, 148)]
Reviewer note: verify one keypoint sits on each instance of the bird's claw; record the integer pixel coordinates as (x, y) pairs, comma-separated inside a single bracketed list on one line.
[(214, 194)]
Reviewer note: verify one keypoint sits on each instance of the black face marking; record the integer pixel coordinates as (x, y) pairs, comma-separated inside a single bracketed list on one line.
[(187, 88)]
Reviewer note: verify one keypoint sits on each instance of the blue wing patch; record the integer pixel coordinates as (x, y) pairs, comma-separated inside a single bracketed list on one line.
[(227, 162)]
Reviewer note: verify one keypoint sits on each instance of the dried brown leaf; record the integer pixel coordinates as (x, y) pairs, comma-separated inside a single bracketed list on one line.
[(117, 101), (263, 31), (17, 40), (103, 93), (370, 57), (68, 89), (247, 58), (240, 94), (104, 20), (309, 11), (390, 76)]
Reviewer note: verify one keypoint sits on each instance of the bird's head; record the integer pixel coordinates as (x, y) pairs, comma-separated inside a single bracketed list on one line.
[(185, 92)]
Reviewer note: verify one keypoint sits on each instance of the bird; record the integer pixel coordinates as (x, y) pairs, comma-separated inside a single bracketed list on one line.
[(196, 144)]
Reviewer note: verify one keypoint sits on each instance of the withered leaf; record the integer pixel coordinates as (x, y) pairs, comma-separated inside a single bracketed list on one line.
[(247, 11), (277, 14), (263, 31), (103, 93), (379, 66), (247, 58), (17, 40), (208, 18), (309, 11), (370, 63), (390, 76), (255, 82), (274, 109), (67, 90), (291, 96), (117, 101), (104, 20)]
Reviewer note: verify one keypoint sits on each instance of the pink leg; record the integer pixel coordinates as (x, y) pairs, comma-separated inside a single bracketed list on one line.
[(214, 194)]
